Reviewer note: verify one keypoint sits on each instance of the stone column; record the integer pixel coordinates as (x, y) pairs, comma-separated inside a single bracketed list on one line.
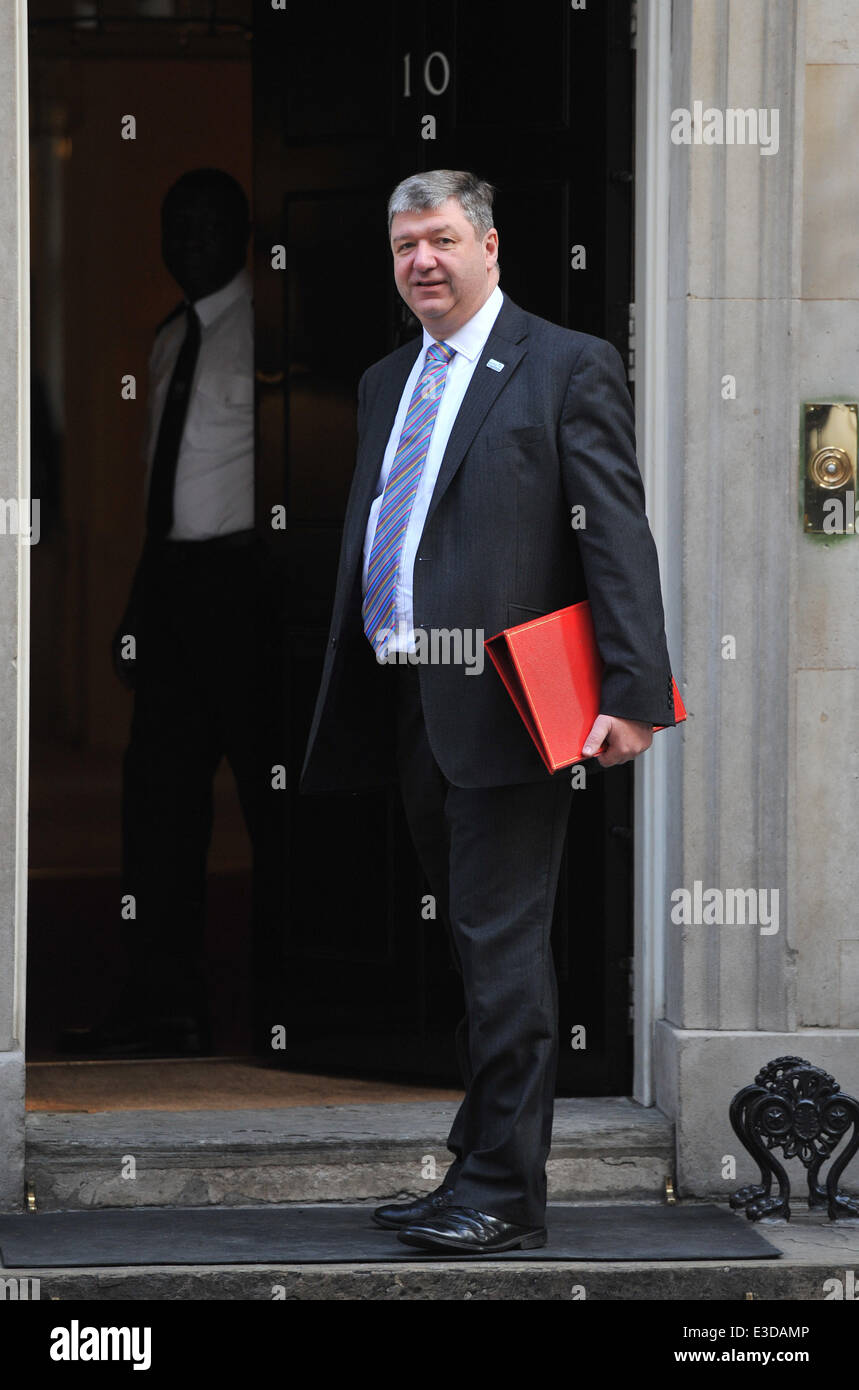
[(14, 484), (763, 806)]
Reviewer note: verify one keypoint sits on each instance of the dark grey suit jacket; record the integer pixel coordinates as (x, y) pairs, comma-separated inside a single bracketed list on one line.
[(553, 430)]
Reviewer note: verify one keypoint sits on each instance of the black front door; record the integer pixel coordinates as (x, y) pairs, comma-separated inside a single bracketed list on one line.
[(349, 99)]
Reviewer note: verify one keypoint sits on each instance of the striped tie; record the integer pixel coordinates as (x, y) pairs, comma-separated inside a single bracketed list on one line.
[(400, 490)]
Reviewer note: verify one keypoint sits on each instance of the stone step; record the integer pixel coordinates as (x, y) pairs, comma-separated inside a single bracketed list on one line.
[(602, 1148), (815, 1255)]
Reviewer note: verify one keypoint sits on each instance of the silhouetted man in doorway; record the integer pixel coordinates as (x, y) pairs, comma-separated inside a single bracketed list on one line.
[(199, 643)]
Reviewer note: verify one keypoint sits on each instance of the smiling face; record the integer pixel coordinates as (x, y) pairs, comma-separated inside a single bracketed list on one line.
[(443, 269)]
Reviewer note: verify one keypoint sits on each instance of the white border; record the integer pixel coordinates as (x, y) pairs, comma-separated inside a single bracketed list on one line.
[(652, 115), (22, 789)]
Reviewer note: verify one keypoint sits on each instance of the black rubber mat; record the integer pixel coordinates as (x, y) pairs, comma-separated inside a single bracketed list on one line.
[(346, 1234)]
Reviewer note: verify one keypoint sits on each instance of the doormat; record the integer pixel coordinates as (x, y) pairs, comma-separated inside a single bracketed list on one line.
[(346, 1234)]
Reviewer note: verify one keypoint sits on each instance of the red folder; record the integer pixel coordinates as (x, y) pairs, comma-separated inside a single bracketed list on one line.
[(552, 668)]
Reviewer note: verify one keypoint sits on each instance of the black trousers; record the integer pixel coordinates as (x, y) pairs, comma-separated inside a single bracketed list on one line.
[(492, 857), (208, 685)]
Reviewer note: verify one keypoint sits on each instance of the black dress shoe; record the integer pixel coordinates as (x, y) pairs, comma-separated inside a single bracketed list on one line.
[(464, 1231), (397, 1215)]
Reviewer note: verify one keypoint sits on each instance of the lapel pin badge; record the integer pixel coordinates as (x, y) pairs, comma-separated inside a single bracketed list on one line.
[(495, 364)]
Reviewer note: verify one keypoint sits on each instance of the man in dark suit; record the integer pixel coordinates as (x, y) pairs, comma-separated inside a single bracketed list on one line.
[(474, 444)]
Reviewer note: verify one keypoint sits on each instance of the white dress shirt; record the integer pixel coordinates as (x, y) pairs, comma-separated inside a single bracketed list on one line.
[(214, 492), (469, 342)]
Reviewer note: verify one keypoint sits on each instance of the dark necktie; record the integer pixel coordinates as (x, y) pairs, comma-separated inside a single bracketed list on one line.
[(159, 510)]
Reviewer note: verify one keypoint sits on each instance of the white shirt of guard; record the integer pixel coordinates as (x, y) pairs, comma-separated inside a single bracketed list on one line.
[(214, 491), (469, 342)]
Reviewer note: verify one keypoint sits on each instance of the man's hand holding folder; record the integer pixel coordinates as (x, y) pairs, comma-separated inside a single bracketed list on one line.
[(626, 739)]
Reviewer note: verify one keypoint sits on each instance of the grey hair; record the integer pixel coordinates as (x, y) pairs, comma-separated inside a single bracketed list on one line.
[(426, 192)]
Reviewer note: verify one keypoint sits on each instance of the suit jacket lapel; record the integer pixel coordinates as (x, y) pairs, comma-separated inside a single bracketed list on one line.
[(507, 343)]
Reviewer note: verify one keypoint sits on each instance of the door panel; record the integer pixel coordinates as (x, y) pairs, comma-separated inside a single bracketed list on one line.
[(544, 111)]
